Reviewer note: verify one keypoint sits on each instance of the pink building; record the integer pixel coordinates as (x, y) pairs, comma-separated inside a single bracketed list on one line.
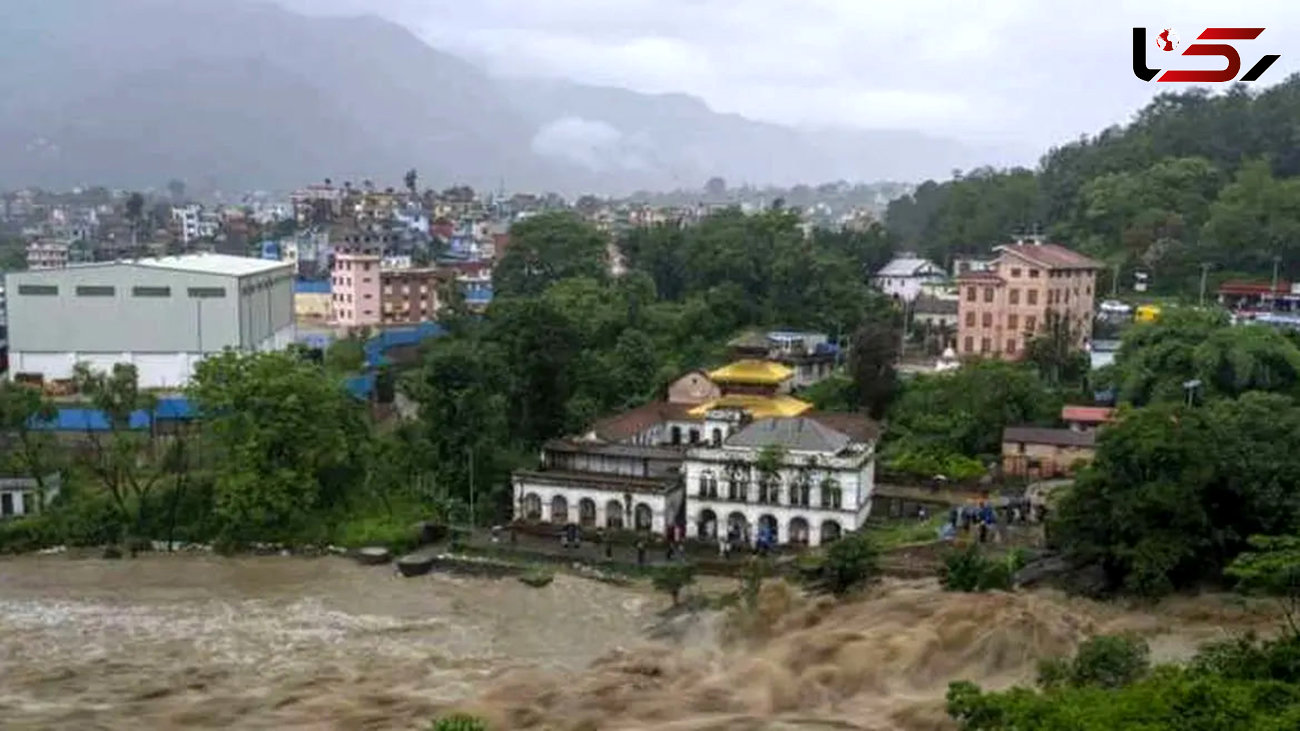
[(354, 278), (1026, 289)]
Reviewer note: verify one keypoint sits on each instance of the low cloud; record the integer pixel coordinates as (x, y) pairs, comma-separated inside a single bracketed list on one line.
[(593, 144)]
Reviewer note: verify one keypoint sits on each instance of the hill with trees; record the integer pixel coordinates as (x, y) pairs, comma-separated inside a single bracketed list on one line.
[(1196, 178)]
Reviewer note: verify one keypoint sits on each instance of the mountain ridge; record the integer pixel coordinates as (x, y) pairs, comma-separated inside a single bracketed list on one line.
[(247, 94)]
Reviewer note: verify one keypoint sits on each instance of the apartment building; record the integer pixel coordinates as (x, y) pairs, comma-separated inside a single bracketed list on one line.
[(47, 255), (1025, 289), (410, 295), (355, 293)]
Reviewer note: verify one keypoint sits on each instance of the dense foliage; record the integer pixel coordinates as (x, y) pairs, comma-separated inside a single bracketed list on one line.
[(945, 424), (968, 569), (1175, 491), (1235, 685), (1196, 178), (849, 564)]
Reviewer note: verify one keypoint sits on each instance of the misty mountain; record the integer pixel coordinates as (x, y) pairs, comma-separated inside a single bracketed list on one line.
[(243, 94)]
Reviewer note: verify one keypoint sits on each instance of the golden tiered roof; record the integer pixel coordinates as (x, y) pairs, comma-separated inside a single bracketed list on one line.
[(758, 407), (755, 372)]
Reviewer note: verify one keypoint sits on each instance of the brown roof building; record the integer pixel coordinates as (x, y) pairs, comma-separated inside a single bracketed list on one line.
[(1028, 289)]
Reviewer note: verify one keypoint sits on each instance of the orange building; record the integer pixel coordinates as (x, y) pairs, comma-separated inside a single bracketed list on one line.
[(412, 295), (1026, 287)]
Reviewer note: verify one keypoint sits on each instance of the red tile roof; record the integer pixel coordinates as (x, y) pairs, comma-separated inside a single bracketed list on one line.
[(1257, 288), (1052, 256), (1088, 414), (628, 424)]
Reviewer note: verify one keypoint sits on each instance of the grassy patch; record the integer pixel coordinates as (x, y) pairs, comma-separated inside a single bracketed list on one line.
[(905, 531)]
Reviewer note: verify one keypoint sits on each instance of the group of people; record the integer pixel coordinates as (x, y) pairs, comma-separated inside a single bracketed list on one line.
[(984, 518), (738, 537)]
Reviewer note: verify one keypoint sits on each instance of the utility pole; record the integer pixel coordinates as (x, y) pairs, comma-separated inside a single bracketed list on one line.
[(1114, 284), (1272, 293), (470, 451), (1205, 270)]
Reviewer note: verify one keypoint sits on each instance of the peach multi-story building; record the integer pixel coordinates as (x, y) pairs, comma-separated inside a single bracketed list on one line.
[(354, 278), (1025, 287), (412, 295)]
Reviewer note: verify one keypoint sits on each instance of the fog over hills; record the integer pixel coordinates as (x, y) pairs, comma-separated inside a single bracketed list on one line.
[(243, 94)]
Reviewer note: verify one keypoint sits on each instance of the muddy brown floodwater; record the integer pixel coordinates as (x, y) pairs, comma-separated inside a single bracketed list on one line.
[(284, 643), (170, 642)]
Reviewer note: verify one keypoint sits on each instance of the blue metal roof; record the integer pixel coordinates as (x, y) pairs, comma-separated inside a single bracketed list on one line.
[(360, 386), (174, 408), (311, 286)]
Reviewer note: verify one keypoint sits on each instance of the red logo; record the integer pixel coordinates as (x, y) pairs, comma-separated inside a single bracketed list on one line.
[(1167, 40)]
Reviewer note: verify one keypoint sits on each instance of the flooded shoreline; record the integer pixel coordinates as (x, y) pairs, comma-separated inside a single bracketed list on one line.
[(171, 642), (268, 642)]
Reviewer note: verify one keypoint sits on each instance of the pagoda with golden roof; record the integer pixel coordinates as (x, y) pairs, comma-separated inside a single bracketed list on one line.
[(758, 387)]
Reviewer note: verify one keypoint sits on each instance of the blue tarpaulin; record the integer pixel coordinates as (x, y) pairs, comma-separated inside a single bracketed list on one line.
[(174, 408)]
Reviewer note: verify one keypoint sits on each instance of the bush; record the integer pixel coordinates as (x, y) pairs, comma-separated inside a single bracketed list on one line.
[(21, 535), (967, 569), (1104, 661), (537, 578), (673, 578), (459, 722), (849, 564), (393, 532)]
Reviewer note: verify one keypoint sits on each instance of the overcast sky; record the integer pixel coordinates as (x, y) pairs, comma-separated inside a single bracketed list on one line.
[(1018, 73)]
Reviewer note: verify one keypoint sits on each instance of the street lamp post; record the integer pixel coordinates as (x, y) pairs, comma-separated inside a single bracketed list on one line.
[(1272, 292)]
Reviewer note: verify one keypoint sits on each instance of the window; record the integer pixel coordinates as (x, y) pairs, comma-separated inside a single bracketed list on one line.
[(1030, 323), (1033, 274), (1011, 346), (970, 319), (988, 319), (985, 345), (40, 290), (1014, 297), (1015, 271), (988, 294), (695, 436), (1032, 296), (207, 292), (1013, 321), (94, 290), (970, 294), (151, 291), (969, 345)]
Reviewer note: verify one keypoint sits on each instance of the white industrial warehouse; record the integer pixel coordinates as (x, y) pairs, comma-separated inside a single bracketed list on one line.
[(162, 315)]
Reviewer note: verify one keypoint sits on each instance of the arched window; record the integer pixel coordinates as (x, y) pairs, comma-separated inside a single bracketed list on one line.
[(532, 506), (830, 531), (832, 495), (614, 515), (587, 512), (708, 525), (717, 437), (643, 517), (559, 510), (799, 531), (677, 435)]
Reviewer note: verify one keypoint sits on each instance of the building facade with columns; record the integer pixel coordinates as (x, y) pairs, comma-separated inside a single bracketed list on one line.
[(795, 480), (599, 485)]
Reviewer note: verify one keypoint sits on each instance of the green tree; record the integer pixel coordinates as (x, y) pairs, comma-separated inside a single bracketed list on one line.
[(34, 452), (290, 440), (346, 355), (850, 564), (1272, 567), (1175, 491), (547, 248), (412, 181), (673, 578), (1055, 352), (459, 722), (873, 354), (123, 459)]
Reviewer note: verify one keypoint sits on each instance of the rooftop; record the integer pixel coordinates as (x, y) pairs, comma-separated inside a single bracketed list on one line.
[(796, 434), (759, 407), (1052, 256), (762, 372), (908, 266), (232, 266), (1088, 414), (1054, 437)]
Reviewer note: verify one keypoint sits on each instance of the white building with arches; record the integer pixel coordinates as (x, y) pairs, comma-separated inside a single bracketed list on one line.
[(601, 485), (801, 480)]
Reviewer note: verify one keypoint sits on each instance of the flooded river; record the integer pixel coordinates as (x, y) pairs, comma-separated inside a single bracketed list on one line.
[(277, 643), (286, 643)]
